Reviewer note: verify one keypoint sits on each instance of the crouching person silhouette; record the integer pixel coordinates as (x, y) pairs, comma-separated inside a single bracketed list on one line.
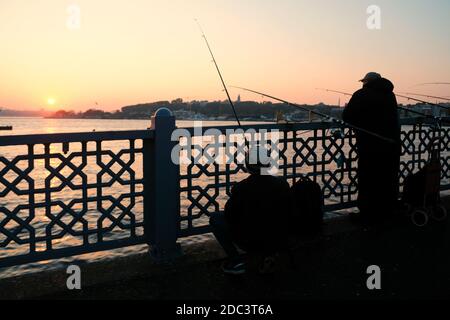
[(255, 218)]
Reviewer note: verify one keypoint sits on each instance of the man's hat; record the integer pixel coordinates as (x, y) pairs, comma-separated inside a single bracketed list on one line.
[(371, 76)]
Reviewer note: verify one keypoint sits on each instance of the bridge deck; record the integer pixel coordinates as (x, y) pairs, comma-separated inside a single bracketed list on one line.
[(414, 263)]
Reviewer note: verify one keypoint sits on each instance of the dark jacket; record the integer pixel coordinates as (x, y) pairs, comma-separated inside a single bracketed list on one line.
[(374, 108), (258, 211)]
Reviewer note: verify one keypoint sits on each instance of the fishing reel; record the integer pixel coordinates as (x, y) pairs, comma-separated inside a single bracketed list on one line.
[(337, 133)]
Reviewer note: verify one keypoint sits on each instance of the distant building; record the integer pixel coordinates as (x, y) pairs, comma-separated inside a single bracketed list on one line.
[(238, 99)]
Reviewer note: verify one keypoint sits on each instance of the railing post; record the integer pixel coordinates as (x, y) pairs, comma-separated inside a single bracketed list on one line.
[(161, 189)]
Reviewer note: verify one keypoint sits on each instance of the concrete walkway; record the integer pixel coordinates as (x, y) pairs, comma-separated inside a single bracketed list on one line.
[(415, 263)]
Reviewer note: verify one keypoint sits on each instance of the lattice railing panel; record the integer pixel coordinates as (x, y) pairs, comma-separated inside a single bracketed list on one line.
[(64, 197), (321, 153), (415, 153)]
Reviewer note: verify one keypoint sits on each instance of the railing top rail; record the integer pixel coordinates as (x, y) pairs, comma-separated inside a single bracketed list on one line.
[(268, 126), (297, 125), (149, 134), (417, 120), (75, 137)]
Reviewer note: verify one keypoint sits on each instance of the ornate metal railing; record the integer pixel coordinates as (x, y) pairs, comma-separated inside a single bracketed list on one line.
[(70, 194), (309, 149)]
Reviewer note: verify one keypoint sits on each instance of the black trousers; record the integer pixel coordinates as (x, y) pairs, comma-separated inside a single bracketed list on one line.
[(378, 181)]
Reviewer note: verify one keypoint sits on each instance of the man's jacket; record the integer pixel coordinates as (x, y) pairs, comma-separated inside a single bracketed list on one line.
[(374, 108), (258, 211)]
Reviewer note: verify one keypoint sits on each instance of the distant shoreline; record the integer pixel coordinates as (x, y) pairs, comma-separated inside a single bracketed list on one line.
[(142, 119), (178, 119)]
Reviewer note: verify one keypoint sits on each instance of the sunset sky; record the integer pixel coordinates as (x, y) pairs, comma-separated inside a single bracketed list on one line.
[(134, 51)]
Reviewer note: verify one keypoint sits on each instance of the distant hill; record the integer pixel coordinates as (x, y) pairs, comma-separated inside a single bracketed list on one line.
[(222, 109), (22, 113), (207, 110), (203, 110)]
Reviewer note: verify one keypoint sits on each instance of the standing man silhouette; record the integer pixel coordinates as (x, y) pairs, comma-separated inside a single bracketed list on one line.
[(374, 108)]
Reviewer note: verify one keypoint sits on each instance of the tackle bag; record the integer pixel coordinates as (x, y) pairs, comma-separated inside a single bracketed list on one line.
[(307, 215)]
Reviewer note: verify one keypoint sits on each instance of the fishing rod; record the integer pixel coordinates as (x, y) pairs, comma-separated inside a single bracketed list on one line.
[(220, 76), (223, 82), (323, 115), (335, 91), (402, 108), (432, 83), (349, 94), (224, 86), (426, 96), (423, 101), (398, 95)]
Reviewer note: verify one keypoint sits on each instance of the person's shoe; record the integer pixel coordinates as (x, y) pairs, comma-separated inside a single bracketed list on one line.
[(234, 267)]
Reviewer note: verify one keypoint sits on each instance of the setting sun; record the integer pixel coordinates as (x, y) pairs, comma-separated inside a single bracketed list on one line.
[(51, 101)]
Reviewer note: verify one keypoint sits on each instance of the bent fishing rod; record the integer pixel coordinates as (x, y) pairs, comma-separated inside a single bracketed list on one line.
[(323, 115), (401, 108)]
